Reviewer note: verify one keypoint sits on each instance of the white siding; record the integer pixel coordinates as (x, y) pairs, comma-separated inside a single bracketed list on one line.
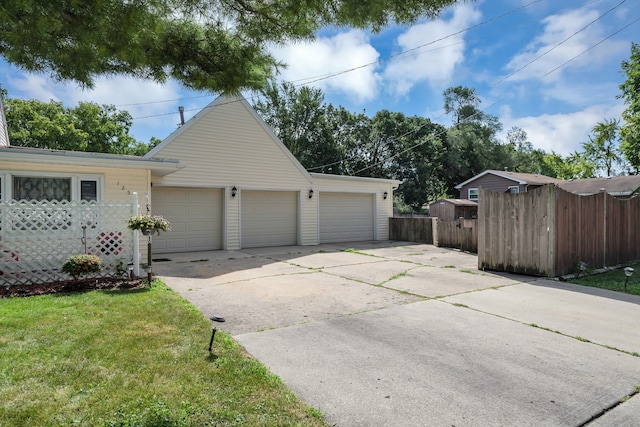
[(308, 218), (232, 221), (226, 144)]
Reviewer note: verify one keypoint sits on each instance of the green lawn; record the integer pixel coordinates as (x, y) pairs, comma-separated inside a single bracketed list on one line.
[(131, 358), (612, 280)]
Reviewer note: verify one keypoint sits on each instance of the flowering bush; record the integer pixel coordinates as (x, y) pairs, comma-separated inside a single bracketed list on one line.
[(79, 265), (148, 222)]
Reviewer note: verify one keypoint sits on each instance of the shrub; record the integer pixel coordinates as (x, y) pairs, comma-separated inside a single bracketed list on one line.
[(80, 265)]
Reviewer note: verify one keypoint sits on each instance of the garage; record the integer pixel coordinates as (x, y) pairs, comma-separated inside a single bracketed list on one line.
[(195, 215), (346, 217), (269, 218)]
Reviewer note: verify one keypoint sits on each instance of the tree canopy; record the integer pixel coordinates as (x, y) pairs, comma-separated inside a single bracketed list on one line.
[(215, 45), (630, 130), (87, 127)]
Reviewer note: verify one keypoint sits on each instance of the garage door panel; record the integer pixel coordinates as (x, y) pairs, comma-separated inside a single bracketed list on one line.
[(195, 215), (346, 217), (269, 218)]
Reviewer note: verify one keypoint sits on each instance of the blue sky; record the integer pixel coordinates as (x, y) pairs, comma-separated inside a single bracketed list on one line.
[(549, 67)]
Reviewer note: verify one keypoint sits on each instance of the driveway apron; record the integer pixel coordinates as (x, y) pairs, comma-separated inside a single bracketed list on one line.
[(395, 333)]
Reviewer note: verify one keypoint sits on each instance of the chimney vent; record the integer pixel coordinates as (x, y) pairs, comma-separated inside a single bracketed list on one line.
[(181, 110)]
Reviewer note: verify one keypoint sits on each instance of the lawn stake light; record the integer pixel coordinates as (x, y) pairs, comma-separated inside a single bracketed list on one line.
[(628, 272), (214, 319)]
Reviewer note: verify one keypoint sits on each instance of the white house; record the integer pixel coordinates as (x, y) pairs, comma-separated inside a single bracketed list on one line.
[(241, 187), (223, 180)]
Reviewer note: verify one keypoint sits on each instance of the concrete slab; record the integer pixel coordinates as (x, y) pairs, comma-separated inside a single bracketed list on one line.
[(370, 355), (437, 281), (603, 317), (278, 301), (432, 363), (376, 272), (627, 414), (428, 255)]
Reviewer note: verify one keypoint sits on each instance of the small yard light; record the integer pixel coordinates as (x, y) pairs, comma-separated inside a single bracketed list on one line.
[(385, 195), (628, 272), (214, 319), (234, 191), (311, 193)]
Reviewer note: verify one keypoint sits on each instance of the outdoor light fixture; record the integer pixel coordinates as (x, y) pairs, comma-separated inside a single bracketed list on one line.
[(234, 191), (311, 193), (214, 319), (628, 271), (384, 195)]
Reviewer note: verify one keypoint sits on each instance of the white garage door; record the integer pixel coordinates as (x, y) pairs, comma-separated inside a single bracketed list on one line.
[(269, 218), (346, 217), (195, 215)]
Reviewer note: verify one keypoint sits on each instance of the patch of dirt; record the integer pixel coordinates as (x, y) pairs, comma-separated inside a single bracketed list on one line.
[(66, 286)]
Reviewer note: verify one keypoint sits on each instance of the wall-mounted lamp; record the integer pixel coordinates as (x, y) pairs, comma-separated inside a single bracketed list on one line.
[(628, 271), (385, 195), (311, 193), (234, 191)]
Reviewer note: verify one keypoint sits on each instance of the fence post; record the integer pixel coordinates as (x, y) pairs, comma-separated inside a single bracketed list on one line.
[(604, 229), (136, 241)]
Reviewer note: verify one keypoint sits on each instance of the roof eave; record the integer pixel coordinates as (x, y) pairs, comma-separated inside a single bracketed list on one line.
[(158, 167)]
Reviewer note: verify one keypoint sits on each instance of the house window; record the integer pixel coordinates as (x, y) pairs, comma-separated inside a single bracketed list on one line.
[(41, 188), (89, 190), (54, 187), (473, 194), (514, 189)]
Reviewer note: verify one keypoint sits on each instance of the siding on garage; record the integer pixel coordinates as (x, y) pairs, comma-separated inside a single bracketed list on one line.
[(227, 144), (346, 217), (195, 215), (268, 218)]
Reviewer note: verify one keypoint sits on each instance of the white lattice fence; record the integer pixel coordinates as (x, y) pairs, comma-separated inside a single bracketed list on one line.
[(37, 237)]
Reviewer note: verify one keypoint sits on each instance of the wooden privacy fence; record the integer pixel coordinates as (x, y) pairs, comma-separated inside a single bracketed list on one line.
[(461, 234), (548, 231)]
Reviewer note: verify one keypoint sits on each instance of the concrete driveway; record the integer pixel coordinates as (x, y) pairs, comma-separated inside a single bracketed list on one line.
[(402, 334)]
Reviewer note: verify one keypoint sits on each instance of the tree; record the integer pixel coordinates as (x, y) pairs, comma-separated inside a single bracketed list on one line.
[(523, 157), (217, 45), (630, 130), (574, 166), (87, 127), (298, 117), (602, 148), (463, 102)]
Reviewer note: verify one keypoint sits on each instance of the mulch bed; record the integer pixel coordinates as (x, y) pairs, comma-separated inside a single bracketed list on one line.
[(66, 286)]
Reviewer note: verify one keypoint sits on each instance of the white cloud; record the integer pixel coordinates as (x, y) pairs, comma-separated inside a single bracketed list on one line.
[(435, 62), (549, 50), (562, 133), (324, 56)]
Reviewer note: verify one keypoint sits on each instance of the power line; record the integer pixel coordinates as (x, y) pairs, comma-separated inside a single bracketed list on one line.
[(559, 44)]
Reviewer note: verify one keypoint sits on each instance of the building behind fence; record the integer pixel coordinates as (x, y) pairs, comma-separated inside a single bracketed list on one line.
[(36, 237), (549, 232)]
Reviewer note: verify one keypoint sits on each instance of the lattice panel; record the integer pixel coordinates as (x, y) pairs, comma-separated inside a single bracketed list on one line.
[(37, 237)]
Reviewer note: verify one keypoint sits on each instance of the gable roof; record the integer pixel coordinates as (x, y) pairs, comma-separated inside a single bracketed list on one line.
[(520, 177), (614, 185), (247, 108)]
